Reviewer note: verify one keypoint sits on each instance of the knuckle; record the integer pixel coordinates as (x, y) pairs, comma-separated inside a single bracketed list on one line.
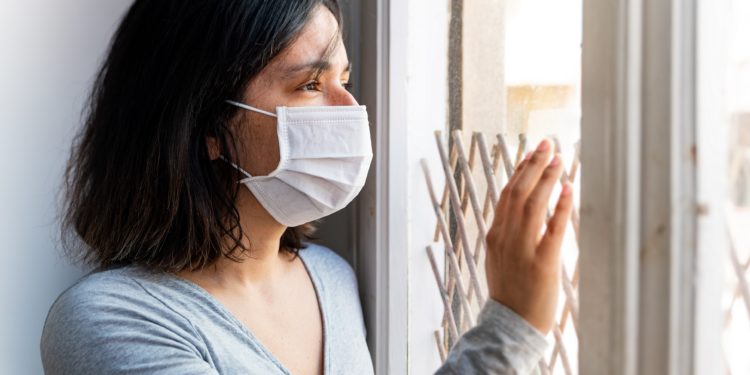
[(517, 192), (550, 173), (505, 194), (552, 228), (531, 206), (536, 158), (558, 227)]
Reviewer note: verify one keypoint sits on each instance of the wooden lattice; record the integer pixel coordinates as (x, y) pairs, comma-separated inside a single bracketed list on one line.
[(739, 287), (742, 288), (465, 209)]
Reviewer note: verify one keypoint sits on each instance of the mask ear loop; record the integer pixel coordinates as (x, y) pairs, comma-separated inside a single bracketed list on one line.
[(237, 167), (249, 108)]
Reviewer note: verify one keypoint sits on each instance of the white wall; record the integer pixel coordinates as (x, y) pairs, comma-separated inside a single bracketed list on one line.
[(49, 52)]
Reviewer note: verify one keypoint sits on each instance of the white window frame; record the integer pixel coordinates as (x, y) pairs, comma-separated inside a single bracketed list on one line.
[(395, 196), (382, 216), (654, 182)]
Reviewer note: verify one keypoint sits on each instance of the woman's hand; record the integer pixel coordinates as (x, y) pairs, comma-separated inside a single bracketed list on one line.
[(523, 264)]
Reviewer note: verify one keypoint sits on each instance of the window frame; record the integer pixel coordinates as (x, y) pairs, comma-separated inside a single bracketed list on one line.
[(382, 216), (652, 216)]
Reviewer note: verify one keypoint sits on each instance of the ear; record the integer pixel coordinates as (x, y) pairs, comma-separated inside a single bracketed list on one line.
[(214, 151)]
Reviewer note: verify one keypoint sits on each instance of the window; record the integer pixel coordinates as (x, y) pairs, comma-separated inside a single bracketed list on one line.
[(513, 77), (661, 118), (736, 298)]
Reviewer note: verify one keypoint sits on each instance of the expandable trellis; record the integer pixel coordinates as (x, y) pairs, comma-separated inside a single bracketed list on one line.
[(742, 289), (741, 292), (462, 258)]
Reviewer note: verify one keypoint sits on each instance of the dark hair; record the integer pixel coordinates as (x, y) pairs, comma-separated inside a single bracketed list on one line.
[(140, 187)]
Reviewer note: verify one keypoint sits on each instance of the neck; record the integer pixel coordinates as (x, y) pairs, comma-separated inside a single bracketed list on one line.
[(262, 263)]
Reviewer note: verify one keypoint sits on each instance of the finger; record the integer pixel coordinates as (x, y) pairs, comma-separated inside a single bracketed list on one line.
[(501, 206), (535, 207), (529, 176), (517, 172), (549, 247)]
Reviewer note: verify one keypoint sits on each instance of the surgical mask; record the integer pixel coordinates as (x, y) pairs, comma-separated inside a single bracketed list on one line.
[(325, 154)]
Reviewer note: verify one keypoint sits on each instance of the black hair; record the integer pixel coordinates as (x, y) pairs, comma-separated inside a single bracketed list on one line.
[(140, 187)]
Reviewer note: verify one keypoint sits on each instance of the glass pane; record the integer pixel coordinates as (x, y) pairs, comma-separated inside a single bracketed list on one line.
[(737, 291), (513, 78)]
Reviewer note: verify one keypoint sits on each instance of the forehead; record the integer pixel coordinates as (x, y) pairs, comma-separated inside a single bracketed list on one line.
[(319, 40)]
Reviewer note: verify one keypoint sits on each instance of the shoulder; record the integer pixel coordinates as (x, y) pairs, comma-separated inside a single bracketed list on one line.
[(94, 292), (324, 256), (338, 283), (329, 266), (116, 291), (335, 274), (104, 315)]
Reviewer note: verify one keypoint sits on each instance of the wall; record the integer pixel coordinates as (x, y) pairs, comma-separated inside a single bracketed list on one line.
[(49, 51)]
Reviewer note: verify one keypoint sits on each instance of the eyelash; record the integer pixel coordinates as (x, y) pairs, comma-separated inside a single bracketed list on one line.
[(315, 84), (310, 86)]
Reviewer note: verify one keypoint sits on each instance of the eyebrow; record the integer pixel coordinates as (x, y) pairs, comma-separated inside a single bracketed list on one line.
[(317, 66)]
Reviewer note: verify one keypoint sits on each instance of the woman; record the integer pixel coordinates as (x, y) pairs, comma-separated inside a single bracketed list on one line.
[(200, 274)]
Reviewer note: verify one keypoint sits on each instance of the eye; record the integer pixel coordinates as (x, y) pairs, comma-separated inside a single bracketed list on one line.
[(310, 86), (347, 85)]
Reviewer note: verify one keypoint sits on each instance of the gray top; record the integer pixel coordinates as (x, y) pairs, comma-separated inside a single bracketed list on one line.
[(134, 321)]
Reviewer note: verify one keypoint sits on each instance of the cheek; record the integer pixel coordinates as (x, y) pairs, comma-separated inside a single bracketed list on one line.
[(259, 146)]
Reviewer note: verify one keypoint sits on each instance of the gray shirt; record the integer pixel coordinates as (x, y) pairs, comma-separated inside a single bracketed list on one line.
[(135, 321)]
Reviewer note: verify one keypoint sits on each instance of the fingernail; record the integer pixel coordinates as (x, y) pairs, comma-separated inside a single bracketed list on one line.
[(543, 145), (555, 161)]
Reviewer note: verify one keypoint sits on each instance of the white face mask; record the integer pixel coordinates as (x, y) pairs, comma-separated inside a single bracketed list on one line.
[(325, 155)]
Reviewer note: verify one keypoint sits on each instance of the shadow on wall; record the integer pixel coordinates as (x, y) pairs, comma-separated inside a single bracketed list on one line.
[(50, 51)]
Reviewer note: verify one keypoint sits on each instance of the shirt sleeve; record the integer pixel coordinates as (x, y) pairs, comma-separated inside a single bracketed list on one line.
[(501, 343), (96, 331)]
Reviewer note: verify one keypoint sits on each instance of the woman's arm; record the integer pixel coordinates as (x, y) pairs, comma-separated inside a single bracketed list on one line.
[(523, 273), (501, 343)]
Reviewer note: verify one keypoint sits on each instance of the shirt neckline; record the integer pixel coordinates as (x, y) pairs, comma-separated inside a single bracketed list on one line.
[(317, 286)]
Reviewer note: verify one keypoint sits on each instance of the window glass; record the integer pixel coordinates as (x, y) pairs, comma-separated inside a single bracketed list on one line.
[(513, 78), (737, 292)]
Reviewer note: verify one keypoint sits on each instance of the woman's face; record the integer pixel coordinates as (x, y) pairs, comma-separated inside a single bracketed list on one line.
[(312, 71)]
